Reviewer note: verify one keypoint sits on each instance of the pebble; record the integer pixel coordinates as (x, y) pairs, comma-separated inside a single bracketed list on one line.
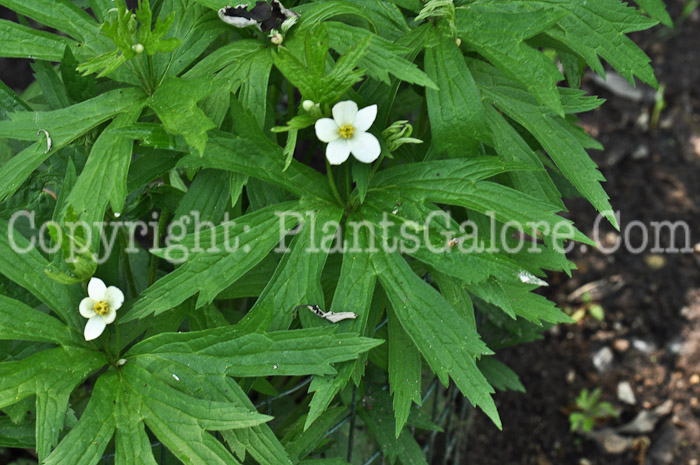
[(640, 153), (621, 345), (642, 346), (625, 393), (603, 359), (695, 379), (655, 261)]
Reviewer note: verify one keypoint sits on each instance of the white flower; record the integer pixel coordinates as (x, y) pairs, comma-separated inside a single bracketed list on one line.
[(347, 133), (100, 308)]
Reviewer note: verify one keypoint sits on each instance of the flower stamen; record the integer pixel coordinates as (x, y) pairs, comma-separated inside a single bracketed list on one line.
[(101, 308), (346, 131)]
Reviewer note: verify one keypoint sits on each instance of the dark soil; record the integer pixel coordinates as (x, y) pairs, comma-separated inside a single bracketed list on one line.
[(651, 301)]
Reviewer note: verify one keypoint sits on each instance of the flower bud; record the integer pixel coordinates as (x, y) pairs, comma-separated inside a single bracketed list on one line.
[(276, 38), (308, 105)]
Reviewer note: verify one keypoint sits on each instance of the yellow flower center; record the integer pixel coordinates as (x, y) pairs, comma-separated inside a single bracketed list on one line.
[(346, 131), (101, 308)]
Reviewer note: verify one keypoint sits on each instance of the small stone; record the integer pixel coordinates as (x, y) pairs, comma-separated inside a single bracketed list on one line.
[(570, 376), (655, 261), (695, 379), (697, 248), (625, 393), (621, 345), (642, 346), (584, 462), (603, 359), (693, 462), (694, 402), (640, 153)]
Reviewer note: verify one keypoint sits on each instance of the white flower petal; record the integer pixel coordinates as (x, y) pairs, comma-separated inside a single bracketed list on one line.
[(94, 327), (326, 130), (337, 151), (114, 298), (96, 289), (365, 118), (344, 112), (110, 316), (87, 308), (365, 147)]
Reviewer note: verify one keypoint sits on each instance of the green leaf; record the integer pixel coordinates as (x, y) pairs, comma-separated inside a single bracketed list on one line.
[(297, 279), (309, 438), (127, 399), (498, 30), (63, 126), (27, 270), (471, 262), (10, 101), (51, 86), (234, 154), (380, 421), (88, 439), (79, 88), (317, 13), (207, 198), (197, 32), (383, 57), (360, 175), (456, 112), (448, 343), (404, 372), (281, 353), (20, 41), (259, 441), (175, 103), (289, 147), (160, 401), (21, 322), (241, 244), (17, 436), (512, 148), (51, 375), (253, 95), (105, 172), (657, 10), (499, 375), (598, 27), (344, 76), (354, 293), (64, 16), (436, 174), (516, 299), (557, 136)]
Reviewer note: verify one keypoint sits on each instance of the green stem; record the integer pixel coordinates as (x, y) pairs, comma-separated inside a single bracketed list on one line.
[(376, 167), (127, 264), (331, 182), (153, 266), (348, 183)]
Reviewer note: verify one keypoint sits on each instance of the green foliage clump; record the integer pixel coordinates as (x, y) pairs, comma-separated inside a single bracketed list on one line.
[(170, 110)]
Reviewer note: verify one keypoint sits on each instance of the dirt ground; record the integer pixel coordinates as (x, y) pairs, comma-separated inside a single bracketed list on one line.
[(651, 302)]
